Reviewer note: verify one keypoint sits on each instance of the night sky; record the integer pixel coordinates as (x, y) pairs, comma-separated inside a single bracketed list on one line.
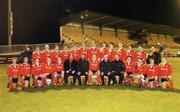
[(36, 21)]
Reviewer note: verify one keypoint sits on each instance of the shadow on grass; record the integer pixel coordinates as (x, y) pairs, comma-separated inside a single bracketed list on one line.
[(98, 88)]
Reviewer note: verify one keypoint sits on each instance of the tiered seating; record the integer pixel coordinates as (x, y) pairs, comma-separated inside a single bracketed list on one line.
[(75, 35), (153, 39), (125, 40), (168, 41), (92, 32)]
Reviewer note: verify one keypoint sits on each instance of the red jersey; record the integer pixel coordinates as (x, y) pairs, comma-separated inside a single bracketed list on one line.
[(75, 54), (92, 51), (141, 55), (93, 65), (122, 54), (64, 55), (36, 69), (59, 67), (165, 70), (151, 70), (48, 68), (132, 54), (84, 51), (129, 66), (36, 54), (102, 52), (25, 69), (140, 69), (54, 55), (13, 70), (111, 55), (44, 55)]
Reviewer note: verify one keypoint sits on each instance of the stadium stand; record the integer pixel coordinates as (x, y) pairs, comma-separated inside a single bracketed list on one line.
[(103, 27), (74, 34), (107, 35)]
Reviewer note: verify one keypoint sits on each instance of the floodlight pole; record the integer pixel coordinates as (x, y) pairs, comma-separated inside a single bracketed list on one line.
[(116, 31), (82, 27), (100, 30), (10, 23), (61, 33)]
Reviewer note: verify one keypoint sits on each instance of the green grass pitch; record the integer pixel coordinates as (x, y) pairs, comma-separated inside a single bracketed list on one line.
[(91, 99)]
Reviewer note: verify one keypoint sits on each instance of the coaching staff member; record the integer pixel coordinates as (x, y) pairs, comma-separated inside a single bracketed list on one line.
[(118, 68), (155, 55), (82, 69), (27, 52), (105, 68), (70, 69)]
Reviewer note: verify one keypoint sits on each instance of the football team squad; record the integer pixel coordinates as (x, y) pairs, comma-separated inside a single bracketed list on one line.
[(90, 66)]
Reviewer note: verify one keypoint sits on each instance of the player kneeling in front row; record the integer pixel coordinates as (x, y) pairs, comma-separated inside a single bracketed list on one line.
[(94, 72), (152, 72), (37, 72), (105, 68), (118, 68), (165, 71), (58, 75), (82, 69), (25, 71), (139, 72), (13, 74)]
